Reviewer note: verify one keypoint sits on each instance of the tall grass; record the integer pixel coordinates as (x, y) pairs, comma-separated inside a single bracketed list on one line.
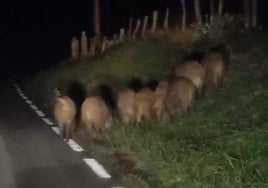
[(223, 142)]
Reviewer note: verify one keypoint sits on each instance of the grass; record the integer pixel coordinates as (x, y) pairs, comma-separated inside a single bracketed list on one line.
[(116, 68), (222, 143)]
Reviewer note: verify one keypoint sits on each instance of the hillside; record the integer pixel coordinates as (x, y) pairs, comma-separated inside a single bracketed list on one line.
[(223, 142)]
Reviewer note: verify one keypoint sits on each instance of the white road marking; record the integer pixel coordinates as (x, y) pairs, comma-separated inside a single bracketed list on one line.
[(97, 168), (34, 107), (24, 97), (40, 113), (91, 162), (117, 187), (29, 101), (56, 130), (47, 121), (75, 146)]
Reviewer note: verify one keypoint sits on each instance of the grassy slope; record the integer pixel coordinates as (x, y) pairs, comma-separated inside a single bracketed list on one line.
[(144, 60), (222, 143)]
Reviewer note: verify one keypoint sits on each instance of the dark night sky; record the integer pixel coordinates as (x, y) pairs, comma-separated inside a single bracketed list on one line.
[(37, 33)]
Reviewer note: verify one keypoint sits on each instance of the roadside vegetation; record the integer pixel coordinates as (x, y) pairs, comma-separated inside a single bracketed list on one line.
[(223, 142)]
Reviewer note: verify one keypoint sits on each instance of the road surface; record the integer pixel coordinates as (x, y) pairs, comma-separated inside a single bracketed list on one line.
[(32, 155)]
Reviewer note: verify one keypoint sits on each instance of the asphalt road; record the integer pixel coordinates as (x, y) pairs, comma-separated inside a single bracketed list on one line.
[(32, 155)]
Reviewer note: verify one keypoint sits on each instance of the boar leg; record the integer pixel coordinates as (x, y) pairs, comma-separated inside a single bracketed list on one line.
[(108, 124), (125, 119), (62, 131), (89, 126), (68, 132)]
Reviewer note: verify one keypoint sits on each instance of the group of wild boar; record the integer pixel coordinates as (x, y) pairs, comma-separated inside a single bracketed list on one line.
[(171, 99)]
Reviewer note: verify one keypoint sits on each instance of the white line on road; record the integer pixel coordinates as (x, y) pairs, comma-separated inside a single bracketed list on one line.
[(75, 146), (21, 94), (28, 101), (47, 121), (97, 168), (24, 97), (40, 113), (19, 90), (56, 130), (34, 107), (91, 162)]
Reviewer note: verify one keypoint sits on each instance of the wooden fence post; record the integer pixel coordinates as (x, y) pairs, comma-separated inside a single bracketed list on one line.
[(165, 26), (116, 39), (247, 19), (254, 13), (136, 28), (110, 43), (206, 19), (220, 7), (122, 35), (144, 27), (92, 46), (130, 27), (84, 45), (183, 23), (155, 16), (197, 12), (211, 7), (104, 45), (75, 48)]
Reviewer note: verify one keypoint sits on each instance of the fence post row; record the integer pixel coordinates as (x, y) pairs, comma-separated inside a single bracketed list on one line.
[(81, 48)]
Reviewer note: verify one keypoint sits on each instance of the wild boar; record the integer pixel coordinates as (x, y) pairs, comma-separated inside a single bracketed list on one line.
[(96, 116), (181, 94), (192, 70), (125, 106), (214, 66), (64, 113), (143, 105), (159, 97)]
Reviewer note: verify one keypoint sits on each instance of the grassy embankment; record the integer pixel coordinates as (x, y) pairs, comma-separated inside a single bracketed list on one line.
[(222, 143)]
